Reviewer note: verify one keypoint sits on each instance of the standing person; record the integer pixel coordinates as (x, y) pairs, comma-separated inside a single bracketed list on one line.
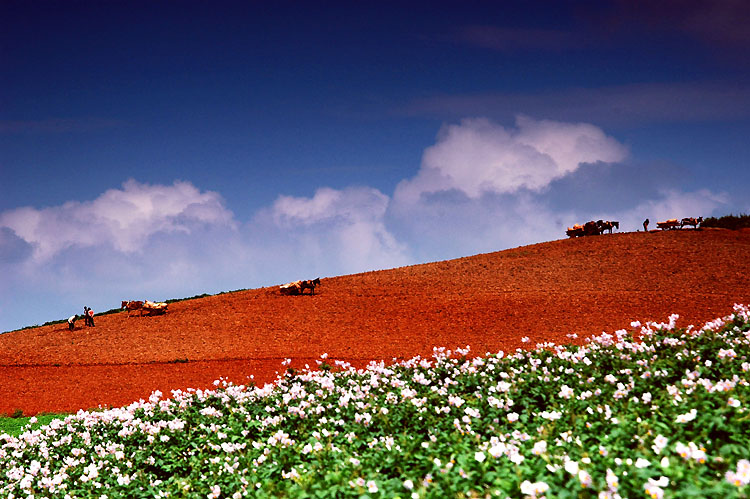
[(72, 322), (91, 318), (645, 225)]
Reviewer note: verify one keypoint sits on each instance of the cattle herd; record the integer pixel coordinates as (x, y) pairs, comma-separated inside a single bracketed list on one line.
[(592, 228), (299, 287), (145, 307), (601, 226), (157, 308)]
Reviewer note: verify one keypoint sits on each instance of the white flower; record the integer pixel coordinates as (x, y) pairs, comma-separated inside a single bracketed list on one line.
[(497, 449), (653, 491), (684, 418), (479, 456), (571, 467), (642, 463), (659, 443), (372, 487), (566, 392), (539, 448), (532, 489), (408, 484), (513, 417)]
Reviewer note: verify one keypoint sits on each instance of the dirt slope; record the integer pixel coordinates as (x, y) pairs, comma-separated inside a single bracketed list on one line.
[(488, 301)]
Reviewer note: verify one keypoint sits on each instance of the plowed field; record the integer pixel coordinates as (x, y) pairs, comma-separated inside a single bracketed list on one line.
[(490, 302)]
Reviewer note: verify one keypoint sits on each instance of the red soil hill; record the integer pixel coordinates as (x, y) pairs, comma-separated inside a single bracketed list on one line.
[(489, 301)]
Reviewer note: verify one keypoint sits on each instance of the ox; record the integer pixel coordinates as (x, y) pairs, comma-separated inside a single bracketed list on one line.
[(291, 288), (154, 308), (309, 285), (132, 305), (695, 222), (591, 229), (607, 225), (298, 287)]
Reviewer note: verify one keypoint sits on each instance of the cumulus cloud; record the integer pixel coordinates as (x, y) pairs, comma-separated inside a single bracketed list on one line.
[(478, 156), (123, 219), (344, 226), (483, 187)]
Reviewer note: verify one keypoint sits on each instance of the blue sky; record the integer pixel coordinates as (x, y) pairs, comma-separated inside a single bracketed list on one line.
[(165, 149)]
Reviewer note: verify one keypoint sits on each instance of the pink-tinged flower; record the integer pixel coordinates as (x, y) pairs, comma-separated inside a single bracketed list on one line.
[(585, 478), (372, 487), (359, 482), (539, 448), (612, 481), (566, 392), (215, 492), (654, 488), (683, 450), (513, 417), (740, 477), (733, 402)]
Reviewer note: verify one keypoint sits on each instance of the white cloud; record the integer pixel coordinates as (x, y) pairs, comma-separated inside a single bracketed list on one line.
[(123, 219), (478, 156), (345, 228), (353, 205)]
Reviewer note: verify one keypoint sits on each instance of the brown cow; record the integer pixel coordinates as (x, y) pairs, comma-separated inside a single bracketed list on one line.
[(309, 285), (132, 305)]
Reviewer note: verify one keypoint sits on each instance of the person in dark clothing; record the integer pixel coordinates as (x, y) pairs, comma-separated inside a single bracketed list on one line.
[(88, 316), (645, 225)]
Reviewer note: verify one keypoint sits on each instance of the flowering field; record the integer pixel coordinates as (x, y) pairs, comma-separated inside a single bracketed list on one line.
[(655, 411)]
